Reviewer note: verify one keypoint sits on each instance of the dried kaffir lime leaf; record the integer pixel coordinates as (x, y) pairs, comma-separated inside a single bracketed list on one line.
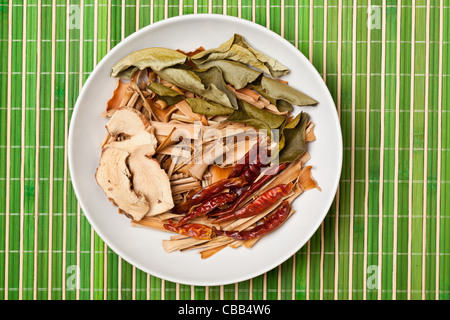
[(208, 83), (258, 118), (155, 58), (280, 91), (294, 138), (207, 108), (165, 93), (235, 73), (236, 49)]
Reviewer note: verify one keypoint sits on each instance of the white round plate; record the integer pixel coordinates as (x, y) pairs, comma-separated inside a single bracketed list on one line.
[(142, 247)]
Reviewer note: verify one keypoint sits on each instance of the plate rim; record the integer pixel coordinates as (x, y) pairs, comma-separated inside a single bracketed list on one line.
[(98, 230)]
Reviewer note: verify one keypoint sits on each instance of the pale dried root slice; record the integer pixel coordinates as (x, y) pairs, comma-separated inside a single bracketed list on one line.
[(145, 175), (129, 122), (141, 139), (113, 176), (150, 180)]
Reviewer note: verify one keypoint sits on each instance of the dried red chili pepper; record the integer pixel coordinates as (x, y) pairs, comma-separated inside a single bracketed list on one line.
[(208, 206), (252, 172), (271, 223), (244, 162), (217, 187), (194, 230), (250, 167), (209, 191), (261, 203), (245, 192)]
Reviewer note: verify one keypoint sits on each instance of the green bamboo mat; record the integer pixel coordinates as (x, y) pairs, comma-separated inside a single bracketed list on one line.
[(387, 235)]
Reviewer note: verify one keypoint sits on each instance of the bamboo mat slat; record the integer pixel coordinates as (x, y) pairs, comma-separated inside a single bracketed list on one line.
[(386, 65)]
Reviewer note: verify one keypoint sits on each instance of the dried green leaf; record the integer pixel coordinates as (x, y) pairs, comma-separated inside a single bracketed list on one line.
[(207, 83), (294, 143), (213, 77), (155, 58), (284, 106), (165, 93), (236, 49), (281, 91), (207, 108), (258, 118), (234, 73)]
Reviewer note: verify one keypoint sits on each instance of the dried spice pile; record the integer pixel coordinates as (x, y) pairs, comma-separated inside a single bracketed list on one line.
[(160, 163)]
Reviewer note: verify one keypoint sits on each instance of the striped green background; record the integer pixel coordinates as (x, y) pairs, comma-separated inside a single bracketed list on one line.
[(387, 236)]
